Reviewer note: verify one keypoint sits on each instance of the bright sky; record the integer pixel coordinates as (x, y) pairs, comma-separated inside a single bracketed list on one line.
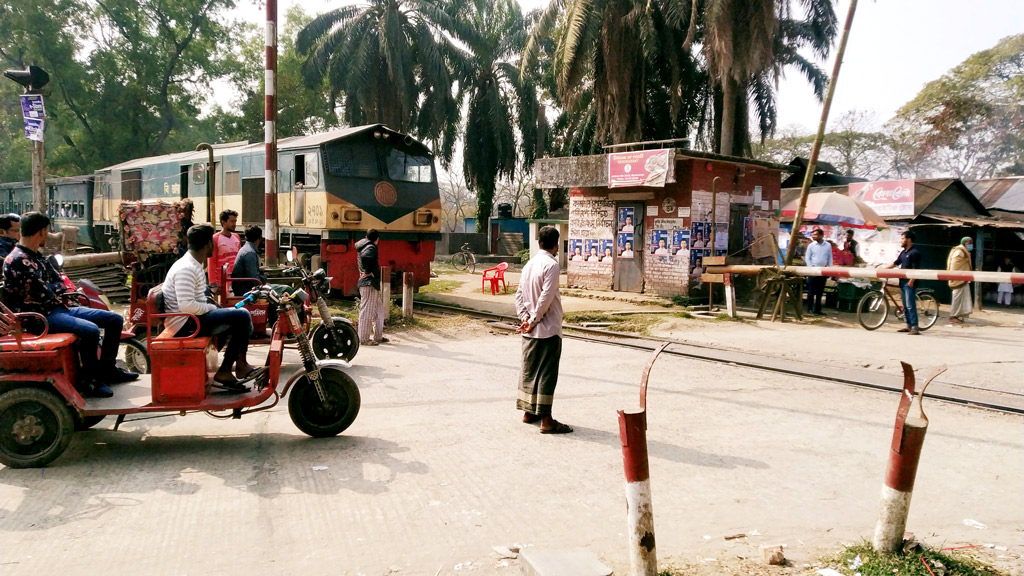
[(895, 48)]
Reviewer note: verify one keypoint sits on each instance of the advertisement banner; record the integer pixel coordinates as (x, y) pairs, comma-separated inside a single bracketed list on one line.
[(644, 168), (34, 129), (887, 198)]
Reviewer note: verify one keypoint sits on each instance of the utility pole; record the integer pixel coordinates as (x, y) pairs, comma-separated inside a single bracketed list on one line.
[(33, 79)]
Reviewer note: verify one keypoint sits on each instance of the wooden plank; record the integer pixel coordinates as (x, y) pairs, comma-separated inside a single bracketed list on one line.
[(714, 260), (712, 278)]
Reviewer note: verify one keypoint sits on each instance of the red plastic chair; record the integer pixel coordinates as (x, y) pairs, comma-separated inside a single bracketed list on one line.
[(494, 275)]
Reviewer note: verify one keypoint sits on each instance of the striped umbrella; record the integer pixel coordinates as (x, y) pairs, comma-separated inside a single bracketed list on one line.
[(837, 209)]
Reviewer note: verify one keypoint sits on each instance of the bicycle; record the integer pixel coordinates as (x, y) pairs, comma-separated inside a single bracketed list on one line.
[(873, 308), (464, 260)]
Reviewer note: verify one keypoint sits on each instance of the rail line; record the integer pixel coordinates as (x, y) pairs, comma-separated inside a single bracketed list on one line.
[(962, 394)]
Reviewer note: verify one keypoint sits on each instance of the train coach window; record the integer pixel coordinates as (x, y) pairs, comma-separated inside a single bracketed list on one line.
[(409, 168)]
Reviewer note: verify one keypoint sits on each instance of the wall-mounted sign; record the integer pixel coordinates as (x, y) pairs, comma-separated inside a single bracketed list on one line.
[(644, 168), (33, 110), (887, 198)]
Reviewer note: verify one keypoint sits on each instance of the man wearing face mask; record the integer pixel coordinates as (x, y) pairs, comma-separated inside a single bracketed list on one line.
[(959, 260)]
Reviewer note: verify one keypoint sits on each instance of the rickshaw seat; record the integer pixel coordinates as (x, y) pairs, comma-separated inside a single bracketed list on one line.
[(179, 362), (46, 343)]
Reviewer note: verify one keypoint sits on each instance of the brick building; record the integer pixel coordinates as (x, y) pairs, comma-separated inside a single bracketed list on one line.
[(642, 221)]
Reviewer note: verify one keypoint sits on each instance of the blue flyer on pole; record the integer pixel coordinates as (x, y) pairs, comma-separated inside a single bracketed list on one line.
[(32, 106), (34, 129)]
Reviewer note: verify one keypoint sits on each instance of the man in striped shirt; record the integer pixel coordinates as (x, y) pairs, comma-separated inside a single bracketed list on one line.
[(185, 291)]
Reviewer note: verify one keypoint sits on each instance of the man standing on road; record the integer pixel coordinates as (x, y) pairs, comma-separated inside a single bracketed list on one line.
[(909, 259), (539, 308), (851, 244), (818, 253), (960, 260), (371, 307)]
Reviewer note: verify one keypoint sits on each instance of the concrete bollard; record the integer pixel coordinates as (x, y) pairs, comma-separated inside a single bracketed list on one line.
[(385, 291), (901, 471), (643, 557), (730, 296), (408, 284)]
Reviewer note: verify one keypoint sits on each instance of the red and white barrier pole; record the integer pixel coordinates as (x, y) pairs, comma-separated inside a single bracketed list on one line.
[(271, 234), (875, 273), (904, 454), (643, 557)]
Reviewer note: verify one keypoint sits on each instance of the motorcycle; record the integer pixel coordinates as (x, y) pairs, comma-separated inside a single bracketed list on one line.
[(334, 336)]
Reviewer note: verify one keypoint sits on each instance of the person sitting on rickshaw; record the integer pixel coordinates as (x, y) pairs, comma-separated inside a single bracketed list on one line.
[(185, 291), (32, 284)]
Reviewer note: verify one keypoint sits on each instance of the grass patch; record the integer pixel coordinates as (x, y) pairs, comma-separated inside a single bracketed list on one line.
[(683, 314), (726, 318), (633, 323), (872, 563), (437, 286)]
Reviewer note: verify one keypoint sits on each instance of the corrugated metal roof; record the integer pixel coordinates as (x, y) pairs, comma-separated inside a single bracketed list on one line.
[(1005, 194), (289, 143)]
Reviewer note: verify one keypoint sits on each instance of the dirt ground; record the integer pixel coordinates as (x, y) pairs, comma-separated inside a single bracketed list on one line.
[(438, 469)]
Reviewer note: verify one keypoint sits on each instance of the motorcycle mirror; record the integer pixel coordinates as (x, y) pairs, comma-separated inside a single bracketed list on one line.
[(290, 256)]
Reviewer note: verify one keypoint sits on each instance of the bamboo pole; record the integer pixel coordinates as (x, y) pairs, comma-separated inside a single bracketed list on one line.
[(813, 161)]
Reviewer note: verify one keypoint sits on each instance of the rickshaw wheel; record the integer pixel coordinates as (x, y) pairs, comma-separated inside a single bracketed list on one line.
[(324, 346), (35, 427), (319, 419)]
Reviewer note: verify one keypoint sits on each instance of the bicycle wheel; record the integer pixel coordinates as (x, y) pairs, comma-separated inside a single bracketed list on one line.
[(872, 310), (927, 310), (460, 261), (472, 263)]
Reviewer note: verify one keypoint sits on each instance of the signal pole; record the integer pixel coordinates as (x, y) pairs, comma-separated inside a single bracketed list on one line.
[(33, 79)]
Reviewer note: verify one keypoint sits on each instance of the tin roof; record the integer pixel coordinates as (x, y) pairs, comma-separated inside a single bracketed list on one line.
[(288, 143), (1006, 194)]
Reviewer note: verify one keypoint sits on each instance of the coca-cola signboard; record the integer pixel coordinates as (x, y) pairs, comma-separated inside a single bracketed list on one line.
[(887, 198)]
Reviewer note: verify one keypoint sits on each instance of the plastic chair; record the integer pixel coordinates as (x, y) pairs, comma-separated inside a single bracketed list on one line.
[(494, 275)]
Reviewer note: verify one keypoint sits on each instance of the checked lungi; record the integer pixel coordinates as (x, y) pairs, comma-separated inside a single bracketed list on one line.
[(371, 314), (540, 374)]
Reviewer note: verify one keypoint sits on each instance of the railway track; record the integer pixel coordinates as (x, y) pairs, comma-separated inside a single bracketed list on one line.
[(963, 394)]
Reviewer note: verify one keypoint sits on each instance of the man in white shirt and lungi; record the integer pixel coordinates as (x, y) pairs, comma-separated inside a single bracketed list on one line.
[(539, 308)]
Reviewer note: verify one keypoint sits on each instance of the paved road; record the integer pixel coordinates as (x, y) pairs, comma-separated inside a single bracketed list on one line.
[(437, 470)]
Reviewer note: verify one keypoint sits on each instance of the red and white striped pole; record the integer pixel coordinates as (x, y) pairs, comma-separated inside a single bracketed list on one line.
[(904, 454), (876, 273), (271, 233), (643, 557)]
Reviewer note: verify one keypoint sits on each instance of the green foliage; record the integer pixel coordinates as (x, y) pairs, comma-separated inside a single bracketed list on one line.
[(523, 256), (970, 122), (540, 206), (909, 564), (389, 62), (437, 286)]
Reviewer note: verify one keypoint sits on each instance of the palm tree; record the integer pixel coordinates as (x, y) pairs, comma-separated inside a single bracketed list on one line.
[(499, 101), (816, 31), (390, 61), (623, 58)]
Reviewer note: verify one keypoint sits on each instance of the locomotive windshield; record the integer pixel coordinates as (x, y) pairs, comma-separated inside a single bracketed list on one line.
[(406, 167), (359, 160)]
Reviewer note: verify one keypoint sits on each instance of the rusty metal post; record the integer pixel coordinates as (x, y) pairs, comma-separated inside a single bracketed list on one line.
[(385, 291), (408, 284), (904, 454), (643, 557)]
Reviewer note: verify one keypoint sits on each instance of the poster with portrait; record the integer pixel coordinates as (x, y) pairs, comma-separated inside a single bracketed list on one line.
[(700, 235), (680, 242), (576, 250), (721, 236), (592, 250), (626, 220), (659, 245), (697, 261), (606, 250), (625, 244)]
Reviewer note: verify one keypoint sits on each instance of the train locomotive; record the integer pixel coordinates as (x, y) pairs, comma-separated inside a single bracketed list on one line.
[(332, 187)]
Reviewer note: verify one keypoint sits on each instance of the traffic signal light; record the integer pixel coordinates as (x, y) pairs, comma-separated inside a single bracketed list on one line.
[(32, 78)]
